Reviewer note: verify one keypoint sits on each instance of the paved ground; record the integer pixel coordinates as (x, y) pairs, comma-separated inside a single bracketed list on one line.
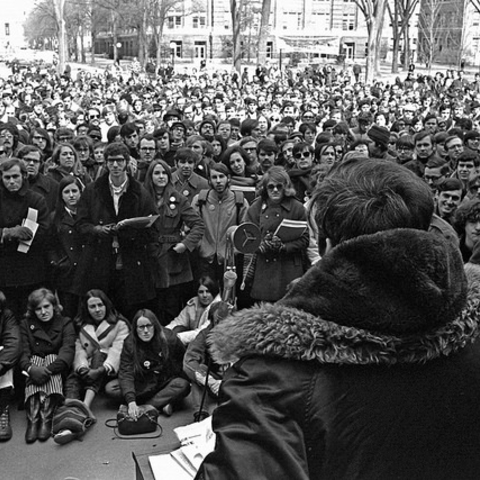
[(100, 456)]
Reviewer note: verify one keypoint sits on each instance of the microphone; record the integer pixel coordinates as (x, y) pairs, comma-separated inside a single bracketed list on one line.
[(229, 280)]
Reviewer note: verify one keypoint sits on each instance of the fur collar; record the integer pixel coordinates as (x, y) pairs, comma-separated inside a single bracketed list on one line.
[(313, 322)]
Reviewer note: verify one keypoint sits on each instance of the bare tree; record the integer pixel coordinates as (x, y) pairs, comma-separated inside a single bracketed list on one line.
[(400, 16), (374, 13), (431, 22), (264, 31), (236, 7)]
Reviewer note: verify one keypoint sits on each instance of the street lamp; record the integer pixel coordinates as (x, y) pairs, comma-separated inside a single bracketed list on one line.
[(173, 47)]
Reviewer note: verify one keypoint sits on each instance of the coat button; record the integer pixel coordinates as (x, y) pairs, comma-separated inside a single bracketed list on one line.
[(32, 327)]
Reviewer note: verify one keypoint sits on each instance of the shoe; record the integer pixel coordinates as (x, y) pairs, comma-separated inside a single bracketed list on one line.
[(32, 409), (46, 417), (167, 410), (64, 436), (5, 427)]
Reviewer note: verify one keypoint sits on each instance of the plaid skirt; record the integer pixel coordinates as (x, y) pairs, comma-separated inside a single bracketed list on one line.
[(53, 385)]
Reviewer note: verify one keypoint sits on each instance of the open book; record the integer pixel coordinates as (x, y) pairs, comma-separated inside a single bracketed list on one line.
[(289, 230), (197, 440), (138, 222)]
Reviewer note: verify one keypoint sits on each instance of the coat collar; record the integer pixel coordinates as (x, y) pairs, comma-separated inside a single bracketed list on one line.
[(305, 326)]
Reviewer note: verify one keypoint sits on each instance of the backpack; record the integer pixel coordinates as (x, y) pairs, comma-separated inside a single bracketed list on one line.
[(239, 201)]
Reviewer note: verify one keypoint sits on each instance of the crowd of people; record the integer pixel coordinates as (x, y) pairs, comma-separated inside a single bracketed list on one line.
[(118, 191)]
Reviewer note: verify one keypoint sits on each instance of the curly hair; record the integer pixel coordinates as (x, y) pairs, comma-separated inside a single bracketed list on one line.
[(467, 212)]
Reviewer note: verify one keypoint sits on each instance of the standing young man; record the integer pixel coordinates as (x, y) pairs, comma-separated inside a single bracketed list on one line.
[(220, 209)]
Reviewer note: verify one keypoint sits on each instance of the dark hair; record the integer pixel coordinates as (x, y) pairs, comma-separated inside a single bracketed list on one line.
[(185, 153), (157, 344), (60, 206), (14, 162), (116, 148), (128, 129), (26, 149), (83, 141), (277, 174), (211, 285), (407, 141), (466, 212), (364, 196), (469, 156), (424, 134), (148, 182), (225, 158), (268, 146), (247, 126), (112, 316)]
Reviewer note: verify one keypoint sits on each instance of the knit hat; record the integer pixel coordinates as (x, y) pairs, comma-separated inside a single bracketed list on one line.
[(379, 135)]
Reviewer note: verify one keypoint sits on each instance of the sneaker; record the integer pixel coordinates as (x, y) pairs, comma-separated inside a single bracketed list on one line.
[(167, 410), (5, 427)]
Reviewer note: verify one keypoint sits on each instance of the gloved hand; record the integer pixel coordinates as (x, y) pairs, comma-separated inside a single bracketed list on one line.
[(266, 245), (93, 375), (17, 233), (276, 244), (39, 375), (104, 231)]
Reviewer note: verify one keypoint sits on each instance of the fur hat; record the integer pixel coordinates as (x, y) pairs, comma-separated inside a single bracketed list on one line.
[(379, 135)]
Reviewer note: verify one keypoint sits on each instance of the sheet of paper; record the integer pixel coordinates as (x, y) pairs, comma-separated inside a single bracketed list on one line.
[(31, 223), (165, 467)]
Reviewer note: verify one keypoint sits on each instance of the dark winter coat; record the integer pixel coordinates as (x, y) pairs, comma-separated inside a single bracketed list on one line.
[(368, 369), (47, 187), (58, 338), (97, 264), (156, 371), (65, 250), (16, 268), (274, 271), (174, 268), (9, 340)]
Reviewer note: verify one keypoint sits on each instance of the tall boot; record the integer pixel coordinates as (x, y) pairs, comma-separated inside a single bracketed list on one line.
[(32, 409), (5, 426), (46, 416)]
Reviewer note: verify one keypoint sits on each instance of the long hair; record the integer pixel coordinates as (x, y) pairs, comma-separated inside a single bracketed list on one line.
[(60, 205), (111, 314), (158, 343), (37, 297), (77, 166), (148, 183), (276, 174)]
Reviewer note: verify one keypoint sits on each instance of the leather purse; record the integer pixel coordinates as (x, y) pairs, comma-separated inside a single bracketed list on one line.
[(126, 426), (146, 422)]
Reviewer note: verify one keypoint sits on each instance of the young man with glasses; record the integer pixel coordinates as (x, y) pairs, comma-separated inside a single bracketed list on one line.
[(116, 258), (31, 157), (303, 154)]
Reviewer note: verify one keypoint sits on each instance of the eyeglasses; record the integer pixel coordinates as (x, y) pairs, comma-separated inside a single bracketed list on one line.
[(94, 116), (272, 186), (147, 326), (111, 161), (299, 155)]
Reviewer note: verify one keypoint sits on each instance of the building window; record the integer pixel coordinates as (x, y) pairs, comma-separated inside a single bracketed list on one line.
[(199, 22), (7, 29), (174, 21), (348, 22)]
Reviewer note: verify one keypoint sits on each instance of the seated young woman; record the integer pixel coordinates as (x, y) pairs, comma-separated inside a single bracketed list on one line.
[(194, 317), (101, 333), (151, 367), (48, 340)]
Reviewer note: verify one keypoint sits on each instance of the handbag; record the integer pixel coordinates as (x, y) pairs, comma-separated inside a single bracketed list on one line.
[(146, 422)]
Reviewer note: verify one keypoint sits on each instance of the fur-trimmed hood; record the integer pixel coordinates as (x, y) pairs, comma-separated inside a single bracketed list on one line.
[(398, 296)]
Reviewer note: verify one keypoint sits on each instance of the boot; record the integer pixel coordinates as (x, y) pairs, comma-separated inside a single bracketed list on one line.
[(46, 416), (32, 409), (5, 427)]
